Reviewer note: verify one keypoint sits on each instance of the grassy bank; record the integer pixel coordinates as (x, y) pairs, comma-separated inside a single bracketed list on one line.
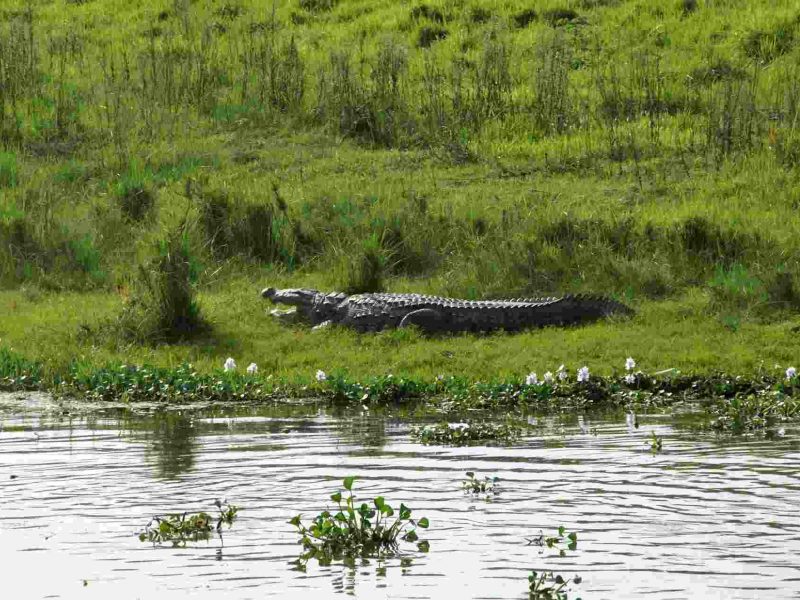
[(474, 149)]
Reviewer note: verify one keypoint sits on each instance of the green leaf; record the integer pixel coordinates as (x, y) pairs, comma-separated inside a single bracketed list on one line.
[(348, 483), (573, 536), (295, 521), (411, 536), (388, 510), (470, 474), (561, 531), (424, 546), (423, 522), (337, 497), (379, 503)]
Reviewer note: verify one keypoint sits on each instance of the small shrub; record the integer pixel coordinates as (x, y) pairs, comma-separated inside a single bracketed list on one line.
[(559, 16), (350, 532), (478, 14), (525, 18), (8, 169), (136, 199), (178, 529), (430, 34), (766, 46), (735, 288), (234, 227), (87, 257), (317, 5), (721, 70), (367, 268), (162, 306), (688, 6), (423, 11), (230, 11)]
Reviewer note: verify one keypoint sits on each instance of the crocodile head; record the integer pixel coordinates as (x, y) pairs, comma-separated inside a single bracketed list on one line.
[(311, 305)]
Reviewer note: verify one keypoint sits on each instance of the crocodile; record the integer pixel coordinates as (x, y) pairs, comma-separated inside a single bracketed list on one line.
[(434, 314)]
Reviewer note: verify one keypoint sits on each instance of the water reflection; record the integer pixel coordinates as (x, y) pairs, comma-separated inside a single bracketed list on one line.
[(709, 517), (365, 430), (171, 444)]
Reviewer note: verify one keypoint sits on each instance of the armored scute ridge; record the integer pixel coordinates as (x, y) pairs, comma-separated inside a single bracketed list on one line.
[(374, 312)]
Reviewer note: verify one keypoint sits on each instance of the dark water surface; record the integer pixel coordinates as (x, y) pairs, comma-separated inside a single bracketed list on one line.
[(705, 518)]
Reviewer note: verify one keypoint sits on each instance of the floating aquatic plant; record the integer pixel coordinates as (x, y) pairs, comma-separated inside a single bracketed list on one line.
[(180, 528), (545, 585), (471, 432), (656, 443), (358, 529), (487, 485), (562, 541)]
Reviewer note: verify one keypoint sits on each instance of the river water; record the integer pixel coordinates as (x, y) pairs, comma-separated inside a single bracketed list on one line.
[(707, 517)]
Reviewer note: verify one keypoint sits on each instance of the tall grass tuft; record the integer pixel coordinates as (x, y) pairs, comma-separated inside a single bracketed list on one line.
[(162, 307), (8, 169)]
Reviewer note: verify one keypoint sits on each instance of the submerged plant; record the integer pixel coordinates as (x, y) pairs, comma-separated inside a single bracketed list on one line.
[(178, 529), (351, 531)]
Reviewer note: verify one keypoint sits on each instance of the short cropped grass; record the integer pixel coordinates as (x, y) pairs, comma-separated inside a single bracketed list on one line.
[(60, 330)]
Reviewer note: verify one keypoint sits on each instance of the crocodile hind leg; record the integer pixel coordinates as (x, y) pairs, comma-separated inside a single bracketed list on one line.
[(427, 319)]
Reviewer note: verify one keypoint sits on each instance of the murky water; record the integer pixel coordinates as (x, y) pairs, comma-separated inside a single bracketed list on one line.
[(705, 518)]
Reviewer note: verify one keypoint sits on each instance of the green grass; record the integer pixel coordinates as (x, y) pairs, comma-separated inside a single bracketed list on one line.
[(646, 151), (57, 329)]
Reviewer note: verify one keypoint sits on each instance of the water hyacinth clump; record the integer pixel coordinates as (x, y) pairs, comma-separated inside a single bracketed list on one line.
[(321, 376), (545, 585), (562, 374), (531, 379), (180, 528), (351, 531), (791, 373), (583, 374), (230, 365), (252, 369), (474, 485), (471, 432)]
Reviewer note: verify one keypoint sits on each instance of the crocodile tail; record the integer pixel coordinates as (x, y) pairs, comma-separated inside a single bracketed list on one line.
[(587, 307)]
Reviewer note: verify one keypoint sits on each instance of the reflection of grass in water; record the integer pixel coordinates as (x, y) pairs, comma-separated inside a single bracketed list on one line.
[(258, 448), (172, 444)]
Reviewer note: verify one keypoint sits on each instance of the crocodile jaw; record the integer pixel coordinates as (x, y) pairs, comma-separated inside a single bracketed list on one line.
[(294, 297)]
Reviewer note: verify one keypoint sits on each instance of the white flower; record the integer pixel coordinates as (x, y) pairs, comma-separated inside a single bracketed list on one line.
[(630, 364), (252, 368), (630, 378), (531, 379), (321, 376), (548, 377), (791, 373), (562, 374), (583, 374), (230, 364)]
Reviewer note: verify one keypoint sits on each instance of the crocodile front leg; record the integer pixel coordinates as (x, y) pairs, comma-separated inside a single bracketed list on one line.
[(428, 320)]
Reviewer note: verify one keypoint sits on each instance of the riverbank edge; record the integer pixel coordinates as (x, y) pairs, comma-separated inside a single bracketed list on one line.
[(732, 403)]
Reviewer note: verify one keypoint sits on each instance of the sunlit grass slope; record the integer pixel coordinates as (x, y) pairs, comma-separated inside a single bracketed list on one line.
[(644, 150)]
